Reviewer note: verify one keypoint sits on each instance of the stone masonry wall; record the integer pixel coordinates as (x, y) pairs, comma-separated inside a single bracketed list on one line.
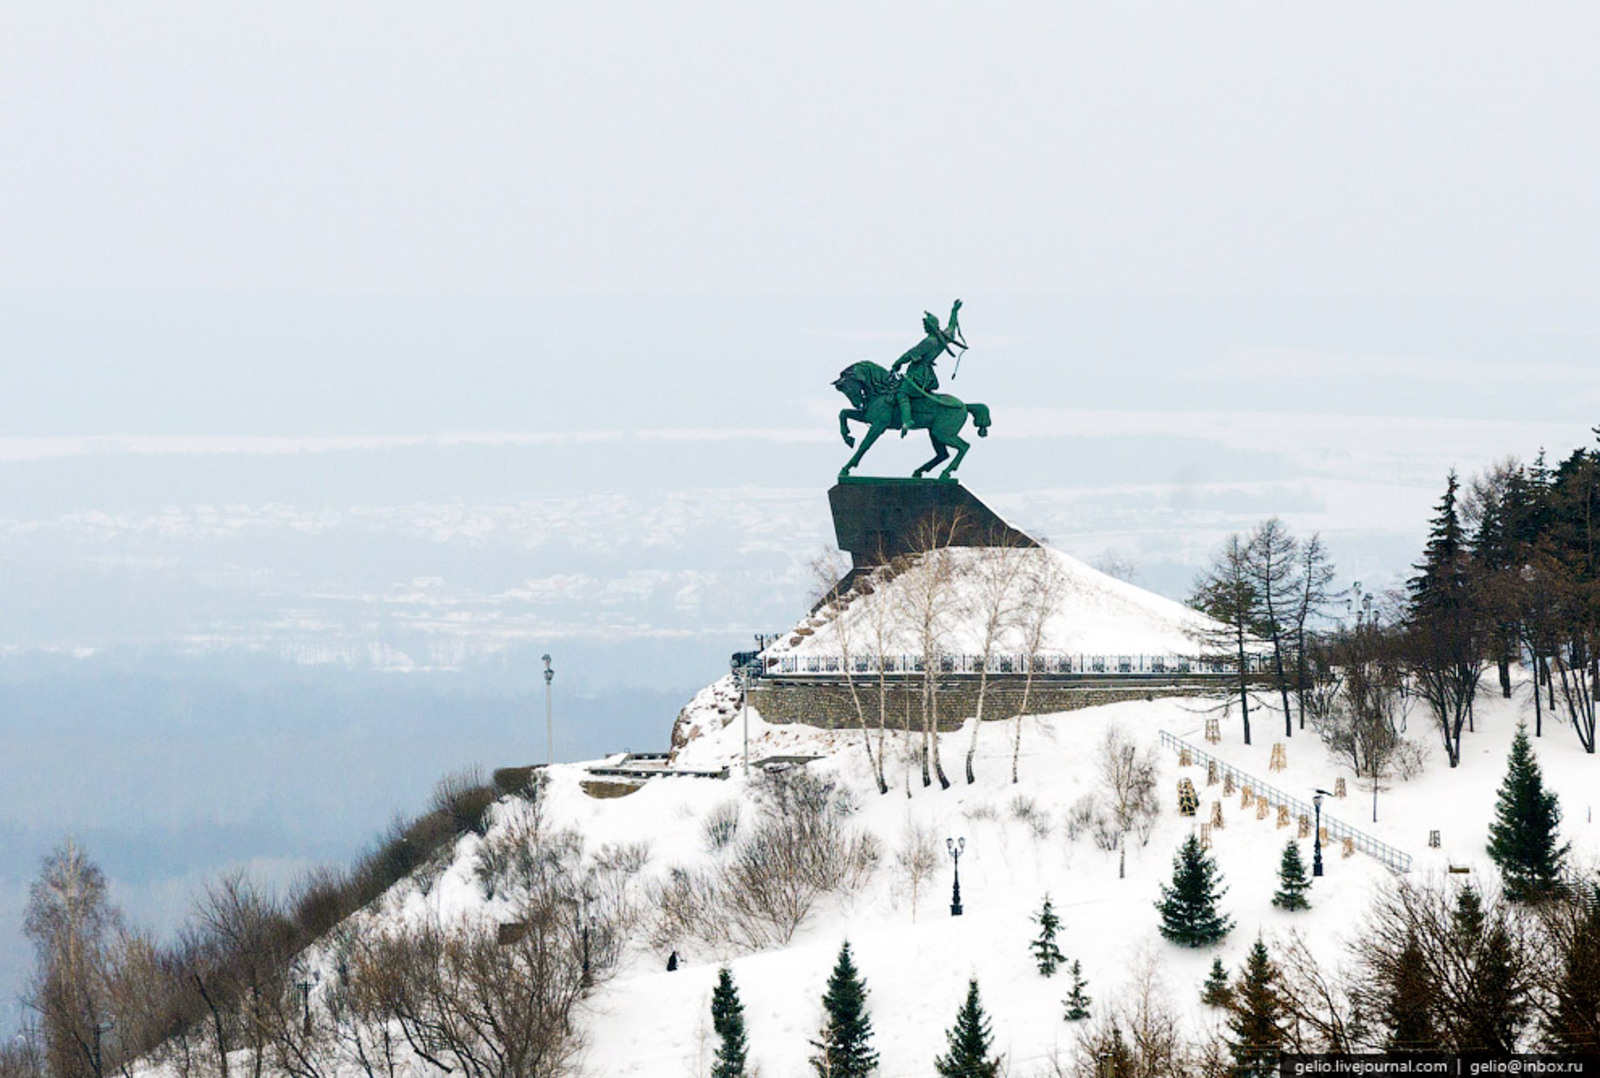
[(831, 706)]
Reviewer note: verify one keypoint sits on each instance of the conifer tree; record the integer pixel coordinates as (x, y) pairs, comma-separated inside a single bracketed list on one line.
[(1077, 1001), (1573, 1021), (1189, 907), (1292, 881), (727, 1020), (1468, 917), (1045, 951), (1255, 1021), (1522, 838), (1407, 1002), (845, 1050), (1216, 992), (969, 1041)]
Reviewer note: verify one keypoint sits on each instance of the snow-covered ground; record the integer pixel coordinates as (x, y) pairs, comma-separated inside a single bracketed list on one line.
[(1092, 612), (647, 1021)]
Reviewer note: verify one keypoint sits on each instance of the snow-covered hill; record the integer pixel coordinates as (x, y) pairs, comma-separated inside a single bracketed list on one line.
[(1090, 612), (648, 1021)]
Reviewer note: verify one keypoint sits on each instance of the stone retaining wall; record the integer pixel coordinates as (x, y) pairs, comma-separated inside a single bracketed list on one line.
[(831, 706)]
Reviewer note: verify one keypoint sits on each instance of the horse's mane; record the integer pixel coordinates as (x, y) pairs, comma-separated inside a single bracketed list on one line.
[(874, 375)]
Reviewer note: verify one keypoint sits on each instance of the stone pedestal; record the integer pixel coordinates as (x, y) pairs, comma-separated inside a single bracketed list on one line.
[(877, 519)]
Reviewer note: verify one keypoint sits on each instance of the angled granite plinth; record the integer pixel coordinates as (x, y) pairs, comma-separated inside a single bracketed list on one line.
[(877, 519)]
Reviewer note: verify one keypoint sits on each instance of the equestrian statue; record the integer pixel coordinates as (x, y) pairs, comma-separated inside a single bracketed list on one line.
[(882, 397)]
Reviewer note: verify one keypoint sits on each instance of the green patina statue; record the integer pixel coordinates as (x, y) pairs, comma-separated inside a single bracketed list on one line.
[(880, 397)]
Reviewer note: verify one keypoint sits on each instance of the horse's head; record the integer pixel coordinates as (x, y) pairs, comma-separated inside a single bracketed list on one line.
[(852, 385)]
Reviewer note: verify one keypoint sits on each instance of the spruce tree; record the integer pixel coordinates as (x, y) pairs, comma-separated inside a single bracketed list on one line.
[(1216, 992), (1077, 1001), (845, 1050), (1255, 1020), (1573, 1021), (969, 1041), (1467, 919), (1406, 1000), (1045, 951), (1522, 838), (1189, 907), (727, 1020), (1292, 881)]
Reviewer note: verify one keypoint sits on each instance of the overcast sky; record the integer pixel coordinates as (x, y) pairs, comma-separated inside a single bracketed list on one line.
[(413, 262)]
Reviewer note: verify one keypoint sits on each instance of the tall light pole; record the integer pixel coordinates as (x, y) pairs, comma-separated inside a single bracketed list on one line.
[(549, 722), (1316, 836), (955, 846)]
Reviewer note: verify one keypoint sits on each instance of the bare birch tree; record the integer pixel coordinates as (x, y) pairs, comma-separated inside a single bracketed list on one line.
[(997, 581), (1043, 586)]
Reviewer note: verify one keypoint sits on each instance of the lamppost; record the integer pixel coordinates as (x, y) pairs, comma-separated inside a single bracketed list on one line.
[(305, 999), (744, 663), (955, 846), (1316, 837), (583, 933), (549, 722)]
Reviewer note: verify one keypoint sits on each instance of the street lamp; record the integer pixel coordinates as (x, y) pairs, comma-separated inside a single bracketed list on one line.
[(305, 999), (584, 921), (549, 722), (955, 846), (1316, 836)]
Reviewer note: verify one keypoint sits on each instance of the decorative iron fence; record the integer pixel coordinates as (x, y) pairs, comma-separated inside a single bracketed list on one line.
[(1393, 859), (1045, 664)]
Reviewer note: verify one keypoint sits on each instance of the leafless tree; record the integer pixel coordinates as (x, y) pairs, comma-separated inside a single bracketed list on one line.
[(998, 577), (828, 570), (1128, 775), (1042, 588), (72, 924), (917, 859), (1272, 560), (1226, 593), (930, 604)]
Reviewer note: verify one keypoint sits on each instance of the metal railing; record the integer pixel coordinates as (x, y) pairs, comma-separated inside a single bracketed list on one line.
[(1042, 664), (1393, 859)]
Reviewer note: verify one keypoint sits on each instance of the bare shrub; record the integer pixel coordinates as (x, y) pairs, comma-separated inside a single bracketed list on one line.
[(1080, 817), (982, 812), (917, 859), (798, 851), (721, 826), (463, 799), (1026, 810), (1140, 1030)]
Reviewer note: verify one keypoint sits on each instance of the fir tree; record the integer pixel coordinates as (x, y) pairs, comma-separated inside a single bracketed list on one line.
[(1045, 951), (1522, 838), (1255, 1020), (1216, 992), (1406, 1002), (1077, 1001), (1573, 1021), (1189, 907), (1292, 881), (969, 1041), (1468, 918), (845, 1050), (727, 1020)]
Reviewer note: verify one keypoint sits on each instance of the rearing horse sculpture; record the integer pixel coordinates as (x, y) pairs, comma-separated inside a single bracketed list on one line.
[(873, 390)]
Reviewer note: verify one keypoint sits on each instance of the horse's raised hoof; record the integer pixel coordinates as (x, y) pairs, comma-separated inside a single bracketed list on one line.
[(849, 440), (983, 432)]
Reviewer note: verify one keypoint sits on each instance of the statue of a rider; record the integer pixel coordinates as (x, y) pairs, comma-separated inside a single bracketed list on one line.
[(920, 377)]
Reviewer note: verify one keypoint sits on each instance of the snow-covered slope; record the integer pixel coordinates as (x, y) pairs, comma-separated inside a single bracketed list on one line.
[(647, 1021), (1091, 613)]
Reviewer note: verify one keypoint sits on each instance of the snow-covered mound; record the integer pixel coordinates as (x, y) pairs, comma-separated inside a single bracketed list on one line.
[(1021, 843), (1088, 612)]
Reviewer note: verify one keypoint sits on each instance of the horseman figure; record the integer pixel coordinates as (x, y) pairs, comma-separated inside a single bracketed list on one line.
[(920, 376), (882, 398)]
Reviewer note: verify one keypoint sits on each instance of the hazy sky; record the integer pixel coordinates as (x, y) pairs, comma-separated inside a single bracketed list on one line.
[(309, 312)]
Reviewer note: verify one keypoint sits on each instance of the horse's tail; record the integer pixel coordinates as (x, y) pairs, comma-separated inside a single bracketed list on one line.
[(980, 418)]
